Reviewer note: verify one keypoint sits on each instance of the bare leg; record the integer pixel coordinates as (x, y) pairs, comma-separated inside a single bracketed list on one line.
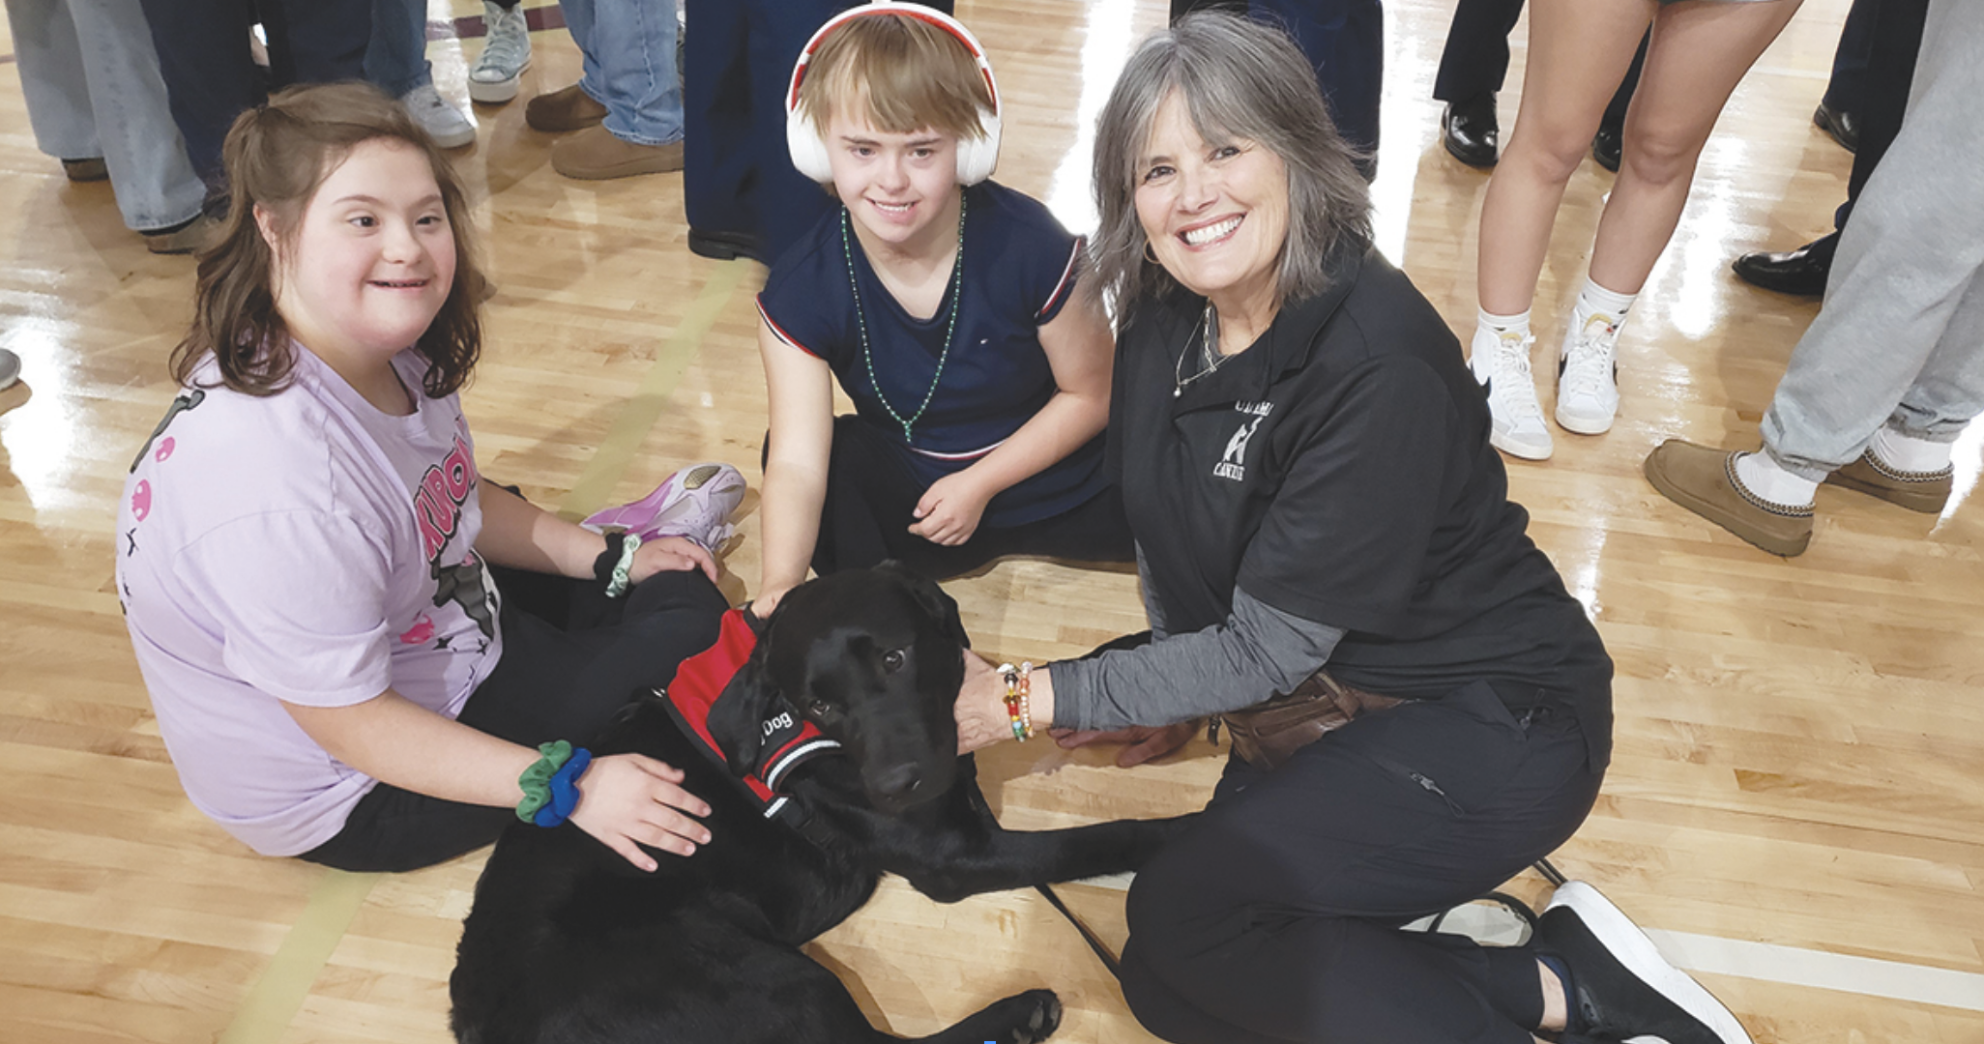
[(1577, 49), (1698, 53)]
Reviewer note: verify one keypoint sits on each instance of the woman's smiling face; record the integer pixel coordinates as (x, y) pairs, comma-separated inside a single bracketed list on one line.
[(1216, 213)]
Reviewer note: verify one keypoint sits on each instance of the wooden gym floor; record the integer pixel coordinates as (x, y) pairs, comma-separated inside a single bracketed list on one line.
[(1797, 804)]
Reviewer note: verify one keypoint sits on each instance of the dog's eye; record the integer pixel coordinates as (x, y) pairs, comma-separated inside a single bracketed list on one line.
[(892, 660), (820, 709)]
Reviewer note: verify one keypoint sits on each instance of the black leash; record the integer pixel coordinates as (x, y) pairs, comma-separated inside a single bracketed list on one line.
[(1102, 953)]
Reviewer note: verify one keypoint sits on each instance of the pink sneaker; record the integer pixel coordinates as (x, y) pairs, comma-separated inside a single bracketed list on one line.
[(694, 503)]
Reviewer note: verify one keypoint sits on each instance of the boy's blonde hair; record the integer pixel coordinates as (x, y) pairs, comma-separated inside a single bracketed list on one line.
[(900, 71)]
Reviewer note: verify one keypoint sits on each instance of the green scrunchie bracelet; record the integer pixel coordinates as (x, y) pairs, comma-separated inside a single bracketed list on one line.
[(536, 780)]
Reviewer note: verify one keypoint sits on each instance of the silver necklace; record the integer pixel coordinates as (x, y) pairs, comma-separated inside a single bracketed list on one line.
[(1209, 357), (861, 322)]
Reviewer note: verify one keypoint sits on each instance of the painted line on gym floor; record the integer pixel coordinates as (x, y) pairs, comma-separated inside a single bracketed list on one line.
[(1790, 965), (640, 412), (278, 994), (276, 997), (1846, 973)]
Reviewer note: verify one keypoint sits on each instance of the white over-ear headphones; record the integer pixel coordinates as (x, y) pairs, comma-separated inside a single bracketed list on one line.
[(976, 156)]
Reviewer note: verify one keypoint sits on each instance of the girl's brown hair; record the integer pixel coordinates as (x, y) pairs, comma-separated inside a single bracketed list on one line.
[(276, 156)]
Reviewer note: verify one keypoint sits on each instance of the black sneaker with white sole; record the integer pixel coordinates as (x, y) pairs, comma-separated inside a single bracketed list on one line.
[(1623, 988)]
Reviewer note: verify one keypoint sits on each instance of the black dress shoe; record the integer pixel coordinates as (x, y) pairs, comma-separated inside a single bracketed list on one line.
[(1606, 146), (726, 246), (1802, 271), (1842, 125), (1469, 129)]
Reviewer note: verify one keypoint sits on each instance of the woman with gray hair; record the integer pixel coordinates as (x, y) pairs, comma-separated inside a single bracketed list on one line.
[(1306, 466)]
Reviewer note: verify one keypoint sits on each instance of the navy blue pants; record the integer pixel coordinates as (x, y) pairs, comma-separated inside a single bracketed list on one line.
[(210, 77), (868, 511), (1275, 917), (1345, 41)]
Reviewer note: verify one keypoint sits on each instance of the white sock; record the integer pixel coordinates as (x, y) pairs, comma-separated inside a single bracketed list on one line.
[(1908, 453), (1595, 301), (1489, 329), (1761, 474)]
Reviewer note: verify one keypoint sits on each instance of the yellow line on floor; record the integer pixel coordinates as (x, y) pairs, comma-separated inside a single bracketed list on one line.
[(265, 1013), (274, 999), (637, 417)]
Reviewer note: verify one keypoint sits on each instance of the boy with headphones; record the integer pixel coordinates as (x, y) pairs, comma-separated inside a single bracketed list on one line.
[(943, 304)]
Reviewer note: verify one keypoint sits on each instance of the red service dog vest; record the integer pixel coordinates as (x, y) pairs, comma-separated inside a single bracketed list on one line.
[(790, 739)]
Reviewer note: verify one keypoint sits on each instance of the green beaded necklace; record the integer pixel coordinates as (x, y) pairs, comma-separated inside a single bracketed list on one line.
[(861, 321)]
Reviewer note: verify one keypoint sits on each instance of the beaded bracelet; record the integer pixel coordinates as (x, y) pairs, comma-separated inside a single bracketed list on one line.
[(1019, 684), (550, 784)]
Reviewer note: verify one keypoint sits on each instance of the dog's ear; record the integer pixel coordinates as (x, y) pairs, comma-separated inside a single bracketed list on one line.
[(931, 597), (737, 720)]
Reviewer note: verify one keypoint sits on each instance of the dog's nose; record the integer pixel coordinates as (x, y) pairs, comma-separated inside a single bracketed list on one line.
[(900, 781)]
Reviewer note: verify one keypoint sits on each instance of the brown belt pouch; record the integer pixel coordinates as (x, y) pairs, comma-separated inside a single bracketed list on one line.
[(1267, 734)]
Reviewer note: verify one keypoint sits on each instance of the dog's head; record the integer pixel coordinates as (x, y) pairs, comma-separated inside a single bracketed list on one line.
[(874, 658)]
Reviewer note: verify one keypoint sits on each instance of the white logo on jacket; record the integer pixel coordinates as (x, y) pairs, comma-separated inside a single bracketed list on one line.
[(1232, 463)]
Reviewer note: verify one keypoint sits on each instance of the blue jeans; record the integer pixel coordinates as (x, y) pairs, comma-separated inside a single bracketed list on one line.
[(91, 79), (629, 48), (396, 56), (1900, 339)]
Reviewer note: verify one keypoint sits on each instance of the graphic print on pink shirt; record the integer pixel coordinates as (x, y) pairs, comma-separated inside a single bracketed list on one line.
[(421, 632), (437, 511)]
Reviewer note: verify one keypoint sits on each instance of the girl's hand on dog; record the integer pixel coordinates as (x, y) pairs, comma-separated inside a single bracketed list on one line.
[(629, 800), (671, 554)]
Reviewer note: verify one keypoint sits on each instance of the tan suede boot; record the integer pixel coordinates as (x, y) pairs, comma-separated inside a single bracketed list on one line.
[(563, 110), (1704, 481), (594, 154)]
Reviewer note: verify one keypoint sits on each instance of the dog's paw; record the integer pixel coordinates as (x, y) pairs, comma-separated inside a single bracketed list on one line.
[(1040, 1017)]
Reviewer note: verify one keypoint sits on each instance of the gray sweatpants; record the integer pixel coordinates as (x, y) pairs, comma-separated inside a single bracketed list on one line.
[(1900, 339)]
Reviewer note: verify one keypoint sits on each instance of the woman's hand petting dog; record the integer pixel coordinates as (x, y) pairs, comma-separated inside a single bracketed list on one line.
[(981, 708), (672, 555), (1144, 742), (628, 800)]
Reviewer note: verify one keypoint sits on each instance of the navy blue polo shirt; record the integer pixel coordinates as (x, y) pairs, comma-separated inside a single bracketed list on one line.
[(1019, 271), (1339, 470)]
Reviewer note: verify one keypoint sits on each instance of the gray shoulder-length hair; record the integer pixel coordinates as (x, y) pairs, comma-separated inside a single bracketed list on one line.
[(1239, 80)]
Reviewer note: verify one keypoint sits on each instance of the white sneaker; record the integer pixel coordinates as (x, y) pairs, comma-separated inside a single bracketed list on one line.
[(492, 80), (1504, 370), (442, 122), (1588, 377)]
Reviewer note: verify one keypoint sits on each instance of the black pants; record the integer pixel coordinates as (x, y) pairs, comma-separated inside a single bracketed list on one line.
[(1274, 918), (869, 509), (1475, 60), (551, 684), (210, 77), (1893, 39)]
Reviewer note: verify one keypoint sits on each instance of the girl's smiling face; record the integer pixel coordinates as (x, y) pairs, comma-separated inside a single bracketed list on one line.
[(371, 261)]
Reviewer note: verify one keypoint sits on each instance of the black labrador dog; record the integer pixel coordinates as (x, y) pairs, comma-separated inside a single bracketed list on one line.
[(568, 942)]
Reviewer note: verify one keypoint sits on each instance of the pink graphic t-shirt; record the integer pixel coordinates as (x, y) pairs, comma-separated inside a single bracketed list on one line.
[(300, 547)]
